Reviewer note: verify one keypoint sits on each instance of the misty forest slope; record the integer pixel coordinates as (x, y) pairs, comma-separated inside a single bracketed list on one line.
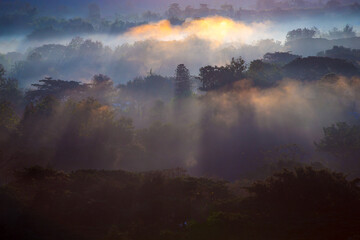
[(154, 120)]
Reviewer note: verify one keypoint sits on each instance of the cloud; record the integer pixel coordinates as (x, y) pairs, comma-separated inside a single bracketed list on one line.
[(216, 29), (127, 61)]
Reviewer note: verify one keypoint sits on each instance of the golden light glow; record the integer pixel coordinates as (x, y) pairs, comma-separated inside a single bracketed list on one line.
[(216, 29)]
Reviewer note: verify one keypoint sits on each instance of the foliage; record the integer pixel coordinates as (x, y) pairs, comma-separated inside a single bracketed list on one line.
[(264, 74), (292, 201), (57, 60), (313, 68), (216, 77), (151, 85), (8, 121), (182, 82), (301, 33), (279, 58), (88, 204), (9, 90), (86, 134), (59, 89), (174, 11), (346, 32), (342, 140), (49, 27), (351, 55), (119, 26)]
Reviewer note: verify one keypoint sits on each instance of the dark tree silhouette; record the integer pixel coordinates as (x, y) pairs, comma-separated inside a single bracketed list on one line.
[(280, 58), (174, 11), (8, 121), (301, 33), (313, 68), (59, 89), (9, 90), (320, 201), (346, 32), (264, 74), (342, 140), (340, 52), (216, 77), (102, 81), (182, 82)]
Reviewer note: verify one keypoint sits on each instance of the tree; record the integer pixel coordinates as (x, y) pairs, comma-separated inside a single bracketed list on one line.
[(301, 33), (151, 85), (34, 57), (264, 74), (216, 77), (102, 81), (101, 88), (228, 9), (237, 67), (93, 138), (2, 72), (77, 25), (342, 140), (340, 52), (70, 135), (346, 32), (76, 43), (150, 16), (313, 68), (59, 89), (174, 11), (54, 52), (9, 89), (204, 10), (280, 58), (316, 200), (189, 11), (182, 82), (8, 120)]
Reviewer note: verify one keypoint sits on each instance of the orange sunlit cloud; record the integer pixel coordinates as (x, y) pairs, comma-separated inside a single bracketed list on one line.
[(215, 29)]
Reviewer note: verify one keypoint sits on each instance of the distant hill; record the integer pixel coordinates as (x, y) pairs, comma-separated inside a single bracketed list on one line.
[(313, 68), (352, 55), (312, 46)]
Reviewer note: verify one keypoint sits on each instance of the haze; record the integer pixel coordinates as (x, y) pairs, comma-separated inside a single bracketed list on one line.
[(193, 120)]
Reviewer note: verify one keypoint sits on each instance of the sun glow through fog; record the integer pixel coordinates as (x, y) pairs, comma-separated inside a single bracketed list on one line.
[(216, 29)]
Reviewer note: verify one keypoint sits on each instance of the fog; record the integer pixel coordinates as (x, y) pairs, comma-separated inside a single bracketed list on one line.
[(160, 46), (157, 120), (228, 129), (248, 121)]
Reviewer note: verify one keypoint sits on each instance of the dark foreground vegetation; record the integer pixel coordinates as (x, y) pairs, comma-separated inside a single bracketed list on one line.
[(41, 203)]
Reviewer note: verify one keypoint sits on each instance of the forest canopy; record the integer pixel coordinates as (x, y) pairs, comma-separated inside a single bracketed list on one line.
[(150, 120)]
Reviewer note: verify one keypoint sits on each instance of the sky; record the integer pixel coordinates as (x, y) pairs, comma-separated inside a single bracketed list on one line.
[(160, 46), (110, 7)]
